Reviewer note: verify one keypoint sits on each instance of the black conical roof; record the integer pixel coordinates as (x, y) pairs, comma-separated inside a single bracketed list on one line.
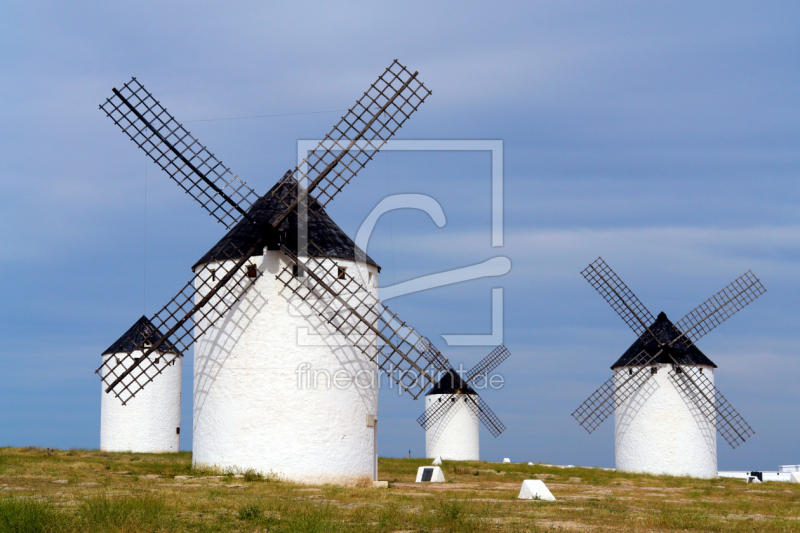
[(143, 329), (666, 332), (322, 230), (446, 385)]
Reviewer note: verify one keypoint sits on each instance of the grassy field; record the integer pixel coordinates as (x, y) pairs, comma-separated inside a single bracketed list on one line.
[(92, 491)]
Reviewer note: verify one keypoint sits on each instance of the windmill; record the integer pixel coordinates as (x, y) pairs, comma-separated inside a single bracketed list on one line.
[(135, 428), (452, 412), (283, 269), (662, 393)]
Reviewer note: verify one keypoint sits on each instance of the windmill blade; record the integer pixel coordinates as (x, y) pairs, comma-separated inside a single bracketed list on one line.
[(480, 371), (720, 307), (485, 415), (432, 354), (178, 153), (619, 296), (184, 319), (367, 324), (355, 140), (696, 386), (610, 395), (436, 411)]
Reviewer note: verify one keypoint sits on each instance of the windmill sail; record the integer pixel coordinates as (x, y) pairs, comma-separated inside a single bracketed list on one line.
[(178, 153), (481, 371), (614, 392), (696, 386), (356, 138), (618, 296), (720, 307)]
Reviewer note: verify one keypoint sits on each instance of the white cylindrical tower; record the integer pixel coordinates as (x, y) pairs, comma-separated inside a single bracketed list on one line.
[(454, 436), (150, 422), (274, 391), (659, 430)]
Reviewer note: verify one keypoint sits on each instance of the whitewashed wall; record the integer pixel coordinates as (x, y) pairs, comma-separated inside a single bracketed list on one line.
[(256, 408), (658, 432), (148, 422), (455, 436)]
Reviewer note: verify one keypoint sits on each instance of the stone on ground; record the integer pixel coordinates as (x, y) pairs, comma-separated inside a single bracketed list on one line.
[(430, 474), (534, 489)]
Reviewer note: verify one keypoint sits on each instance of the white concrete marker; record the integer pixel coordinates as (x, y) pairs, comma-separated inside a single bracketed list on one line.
[(437, 461), (534, 489), (530, 464), (430, 474), (506, 460), (794, 477)]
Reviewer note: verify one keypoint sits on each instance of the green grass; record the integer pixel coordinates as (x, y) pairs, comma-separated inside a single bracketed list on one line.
[(89, 491), (19, 515), (105, 514)]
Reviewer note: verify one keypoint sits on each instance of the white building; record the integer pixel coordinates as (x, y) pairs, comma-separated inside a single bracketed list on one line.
[(454, 436), (658, 430), (151, 421), (273, 392)]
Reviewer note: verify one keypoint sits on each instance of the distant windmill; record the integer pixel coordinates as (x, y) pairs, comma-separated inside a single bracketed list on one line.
[(662, 393), (152, 424), (453, 409), (254, 405)]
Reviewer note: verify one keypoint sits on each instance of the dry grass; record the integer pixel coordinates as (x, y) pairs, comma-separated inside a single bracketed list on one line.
[(87, 491)]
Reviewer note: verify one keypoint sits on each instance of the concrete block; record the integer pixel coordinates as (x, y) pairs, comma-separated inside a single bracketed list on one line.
[(506, 460), (534, 489), (437, 461), (789, 468), (430, 474), (380, 484), (795, 477)]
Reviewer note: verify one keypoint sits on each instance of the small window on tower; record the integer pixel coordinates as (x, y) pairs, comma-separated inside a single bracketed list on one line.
[(252, 271), (297, 271), (653, 370), (340, 272), (213, 273), (158, 360), (371, 279), (630, 371)]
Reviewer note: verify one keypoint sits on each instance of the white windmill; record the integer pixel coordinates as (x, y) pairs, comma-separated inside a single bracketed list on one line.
[(452, 409), (153, 423), (281, 301), (666, 407)]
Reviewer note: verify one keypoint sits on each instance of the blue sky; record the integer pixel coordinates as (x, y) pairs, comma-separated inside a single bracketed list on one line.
[(663, 138)]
